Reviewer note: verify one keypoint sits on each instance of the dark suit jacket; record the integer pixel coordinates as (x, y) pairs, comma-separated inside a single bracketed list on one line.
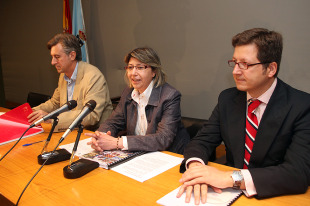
[(165, 130), (280, 160)]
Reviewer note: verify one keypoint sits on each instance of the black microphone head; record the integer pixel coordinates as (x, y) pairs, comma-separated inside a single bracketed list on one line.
[(91, 104), (71, 104)]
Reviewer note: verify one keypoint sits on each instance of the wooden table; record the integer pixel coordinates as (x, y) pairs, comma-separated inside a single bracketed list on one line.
[(99, 187)]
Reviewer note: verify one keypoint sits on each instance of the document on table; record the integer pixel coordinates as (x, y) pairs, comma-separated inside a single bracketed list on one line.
[(140, 168), (227, 197), (82, 148), (148, 165)]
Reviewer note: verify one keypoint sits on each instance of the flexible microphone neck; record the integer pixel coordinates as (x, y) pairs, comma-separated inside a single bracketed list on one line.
[(89, 107)]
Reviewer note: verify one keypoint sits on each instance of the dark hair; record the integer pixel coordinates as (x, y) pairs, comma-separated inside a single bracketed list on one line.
[(148, 56), (69, 42), (269, 44)]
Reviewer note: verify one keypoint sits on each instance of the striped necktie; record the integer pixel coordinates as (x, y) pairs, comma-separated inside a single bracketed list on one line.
[(250, 131)]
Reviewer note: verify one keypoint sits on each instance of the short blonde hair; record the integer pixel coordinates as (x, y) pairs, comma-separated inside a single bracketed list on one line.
[(147, 56)]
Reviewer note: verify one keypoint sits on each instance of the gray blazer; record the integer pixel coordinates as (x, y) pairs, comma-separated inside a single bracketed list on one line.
[(163, 115)]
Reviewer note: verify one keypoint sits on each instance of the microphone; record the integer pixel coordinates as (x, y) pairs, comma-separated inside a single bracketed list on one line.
[(62, 154), (82, 166), (89, 107), (66, 107)]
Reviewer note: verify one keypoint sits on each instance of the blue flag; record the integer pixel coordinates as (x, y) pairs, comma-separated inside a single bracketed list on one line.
[(78, 27)]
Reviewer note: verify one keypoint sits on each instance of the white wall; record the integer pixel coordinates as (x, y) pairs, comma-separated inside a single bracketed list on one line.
[(192, 37)]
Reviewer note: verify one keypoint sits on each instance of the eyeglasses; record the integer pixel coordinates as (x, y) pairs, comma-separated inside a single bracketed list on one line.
[(139, 67), (243, 65)]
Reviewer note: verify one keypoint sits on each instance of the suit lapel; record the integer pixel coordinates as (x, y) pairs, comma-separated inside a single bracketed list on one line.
[(236, 125), (132, 111), (79, 77), (155, 96), (153, 102), (270, 124), (63, 89)]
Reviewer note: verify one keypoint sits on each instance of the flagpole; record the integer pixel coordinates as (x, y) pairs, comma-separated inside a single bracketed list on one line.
[(85, 43), (78, 27)]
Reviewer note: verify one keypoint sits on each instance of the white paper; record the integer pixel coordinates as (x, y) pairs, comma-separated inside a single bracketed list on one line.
[(82, 148), (140, 168), (213, 198), (146, 166)]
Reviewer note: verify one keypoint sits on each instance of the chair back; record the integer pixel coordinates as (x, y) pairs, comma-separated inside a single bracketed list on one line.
[(193, 125), (35, 99)]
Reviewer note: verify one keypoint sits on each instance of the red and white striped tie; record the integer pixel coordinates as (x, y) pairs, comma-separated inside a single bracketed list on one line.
[(250, 131)]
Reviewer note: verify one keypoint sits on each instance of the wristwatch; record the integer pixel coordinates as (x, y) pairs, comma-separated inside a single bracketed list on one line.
[(237, 178)]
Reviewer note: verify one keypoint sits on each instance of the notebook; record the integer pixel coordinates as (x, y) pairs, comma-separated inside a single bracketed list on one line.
[(15, 122), (227, 197), (106, 159)]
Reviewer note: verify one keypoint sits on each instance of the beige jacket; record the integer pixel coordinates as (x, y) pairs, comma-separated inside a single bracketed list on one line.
[(90, 85)]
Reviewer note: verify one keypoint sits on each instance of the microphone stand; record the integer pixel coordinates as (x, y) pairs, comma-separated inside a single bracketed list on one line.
[(82, 166), (57, 155), (80, 131)]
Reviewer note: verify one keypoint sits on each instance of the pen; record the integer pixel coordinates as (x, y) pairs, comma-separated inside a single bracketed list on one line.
[(32, 143)]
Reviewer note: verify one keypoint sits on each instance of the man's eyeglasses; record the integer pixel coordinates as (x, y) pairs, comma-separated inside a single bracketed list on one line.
[(243, 65), (139, 68)]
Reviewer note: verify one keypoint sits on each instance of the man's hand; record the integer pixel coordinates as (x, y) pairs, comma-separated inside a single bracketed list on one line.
[(199, 177), (103, 141), (36, 115), (207, 175), (199, 189)]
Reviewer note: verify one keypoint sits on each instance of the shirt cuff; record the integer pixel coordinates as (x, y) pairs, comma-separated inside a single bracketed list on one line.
[(250, 189), (193, 159), (125, 143)]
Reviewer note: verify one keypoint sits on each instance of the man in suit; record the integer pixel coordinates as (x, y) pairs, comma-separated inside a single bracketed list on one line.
[(78, 81), (272, 149)]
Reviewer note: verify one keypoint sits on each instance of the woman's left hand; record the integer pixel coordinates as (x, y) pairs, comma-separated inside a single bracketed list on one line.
[(102, 141)]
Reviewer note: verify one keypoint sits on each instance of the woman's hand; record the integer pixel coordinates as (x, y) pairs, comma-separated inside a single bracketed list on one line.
[(104, 141)]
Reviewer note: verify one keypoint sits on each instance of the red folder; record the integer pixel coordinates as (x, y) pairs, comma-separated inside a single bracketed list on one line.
[(15, 122)]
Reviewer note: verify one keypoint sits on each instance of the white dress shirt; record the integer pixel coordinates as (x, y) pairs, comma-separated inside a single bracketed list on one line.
[(71, 83), (142, 100)]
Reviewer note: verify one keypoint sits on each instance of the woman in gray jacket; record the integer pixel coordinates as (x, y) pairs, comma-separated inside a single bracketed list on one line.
[(149, 110)]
